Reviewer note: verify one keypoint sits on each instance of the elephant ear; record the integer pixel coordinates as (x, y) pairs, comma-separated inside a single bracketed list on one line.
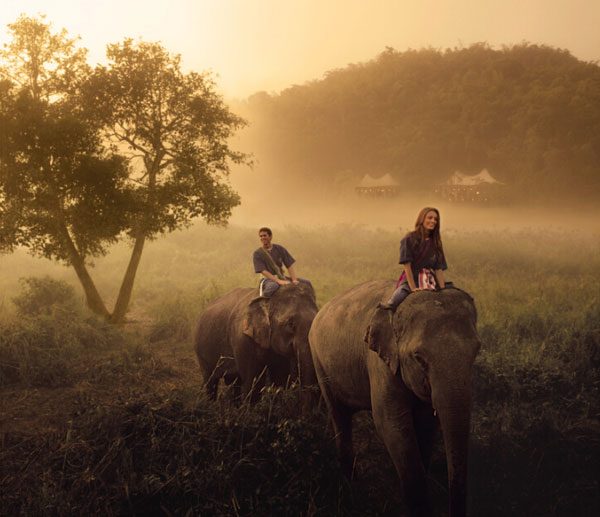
[(380, 338), (257, 324)]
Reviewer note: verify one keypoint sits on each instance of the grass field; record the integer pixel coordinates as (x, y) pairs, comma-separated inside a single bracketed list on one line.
[(98, 420)]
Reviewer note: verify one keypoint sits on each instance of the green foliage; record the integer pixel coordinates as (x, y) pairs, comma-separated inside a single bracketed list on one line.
[(177, 124), (66, 186), (44, 296), (40, 61), (528, 113), (66, 194), (52, 339)]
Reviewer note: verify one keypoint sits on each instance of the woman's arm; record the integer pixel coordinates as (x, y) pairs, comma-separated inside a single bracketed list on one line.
[(409, 276), (439, 275)]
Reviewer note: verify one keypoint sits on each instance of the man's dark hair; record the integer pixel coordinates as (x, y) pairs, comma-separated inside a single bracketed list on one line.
[(265, 229)]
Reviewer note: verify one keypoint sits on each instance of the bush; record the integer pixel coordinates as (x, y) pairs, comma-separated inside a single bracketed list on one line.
[(53, 339), (44, 296)]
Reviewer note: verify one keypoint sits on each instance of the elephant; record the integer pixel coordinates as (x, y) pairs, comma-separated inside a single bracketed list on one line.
[(411, 368), (240, 335)]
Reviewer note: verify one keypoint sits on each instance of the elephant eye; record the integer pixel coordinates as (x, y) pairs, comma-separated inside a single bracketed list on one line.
[(422, 363)]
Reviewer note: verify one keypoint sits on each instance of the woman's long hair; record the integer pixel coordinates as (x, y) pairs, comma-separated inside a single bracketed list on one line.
[(418, 235)]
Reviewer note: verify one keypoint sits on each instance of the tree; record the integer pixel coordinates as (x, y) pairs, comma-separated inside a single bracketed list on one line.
[(62, 191), (174, 128), (528, 113), (42, 63), (68, 192)]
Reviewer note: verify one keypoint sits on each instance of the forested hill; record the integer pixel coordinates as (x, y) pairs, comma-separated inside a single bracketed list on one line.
[(529, 114)]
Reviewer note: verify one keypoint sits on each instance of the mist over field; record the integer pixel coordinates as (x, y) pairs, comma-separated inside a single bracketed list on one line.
[(144, 187), (210, 253), (262, 205)]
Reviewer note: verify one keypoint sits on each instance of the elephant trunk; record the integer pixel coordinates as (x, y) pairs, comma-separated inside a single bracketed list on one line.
[(454, 412)]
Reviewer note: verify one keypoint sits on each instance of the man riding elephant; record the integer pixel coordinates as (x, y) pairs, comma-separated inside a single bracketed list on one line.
[(239, 337), (269, 260)]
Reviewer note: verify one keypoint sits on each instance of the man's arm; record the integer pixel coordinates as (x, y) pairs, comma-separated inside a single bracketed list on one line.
[(293, 274), (271, 276)]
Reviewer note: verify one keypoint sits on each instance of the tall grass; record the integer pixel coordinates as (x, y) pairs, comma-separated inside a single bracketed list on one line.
[(536, 410), (51, 337)]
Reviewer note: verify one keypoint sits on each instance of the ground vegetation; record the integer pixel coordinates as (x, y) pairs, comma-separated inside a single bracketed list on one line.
[(124, 427)]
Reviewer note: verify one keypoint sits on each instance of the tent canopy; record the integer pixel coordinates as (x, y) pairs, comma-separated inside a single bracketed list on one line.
[(459, 178), (385, 181)]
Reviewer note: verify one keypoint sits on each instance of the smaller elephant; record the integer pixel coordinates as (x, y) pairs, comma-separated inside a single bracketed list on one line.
[(241, 336), (402, 367)]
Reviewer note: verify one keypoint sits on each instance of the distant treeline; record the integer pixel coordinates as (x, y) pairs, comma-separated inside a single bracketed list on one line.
[(529, 114)]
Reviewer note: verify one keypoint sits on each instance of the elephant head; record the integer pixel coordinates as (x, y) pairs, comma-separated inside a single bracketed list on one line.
[(280, 324), (431, 343)]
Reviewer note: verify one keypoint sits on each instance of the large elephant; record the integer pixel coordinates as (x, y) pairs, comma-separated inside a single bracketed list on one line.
[(405, 367), (241, 336)]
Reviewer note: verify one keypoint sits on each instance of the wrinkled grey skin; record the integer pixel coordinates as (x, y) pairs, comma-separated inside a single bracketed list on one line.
[(238, 336), (401, 366)]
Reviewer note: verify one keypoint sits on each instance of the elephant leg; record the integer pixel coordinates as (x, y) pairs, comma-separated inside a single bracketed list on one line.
[(279, 371), (341, 418), (233, 381), (211, 384), (426, 427), (252, 385), (391, 405), (211, 388), (252, 368)]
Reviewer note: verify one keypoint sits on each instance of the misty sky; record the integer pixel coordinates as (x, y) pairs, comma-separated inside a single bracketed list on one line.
[(269, 45)]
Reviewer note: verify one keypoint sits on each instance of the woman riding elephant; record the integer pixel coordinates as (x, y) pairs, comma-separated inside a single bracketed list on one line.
[(422, 255), (405, 367)]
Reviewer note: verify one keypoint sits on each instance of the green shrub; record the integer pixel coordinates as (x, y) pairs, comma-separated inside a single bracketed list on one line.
[(53, 339), (44, 296)]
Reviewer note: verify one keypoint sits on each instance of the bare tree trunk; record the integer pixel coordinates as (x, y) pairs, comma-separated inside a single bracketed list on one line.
[(93, 299), (124, 297)]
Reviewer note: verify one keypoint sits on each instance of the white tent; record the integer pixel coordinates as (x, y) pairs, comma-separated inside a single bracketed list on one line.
[(385, 181), (481, 187), (484, 177), (384, 186)]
